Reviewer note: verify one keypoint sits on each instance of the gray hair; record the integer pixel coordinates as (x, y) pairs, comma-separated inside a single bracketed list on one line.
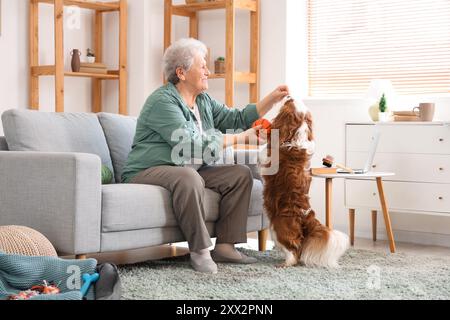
[(181, 54)]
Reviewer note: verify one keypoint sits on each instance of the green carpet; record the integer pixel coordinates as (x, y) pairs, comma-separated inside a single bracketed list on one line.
[(363, 275)]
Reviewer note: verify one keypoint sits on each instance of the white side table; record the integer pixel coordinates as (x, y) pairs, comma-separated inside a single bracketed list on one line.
[(377, 176)]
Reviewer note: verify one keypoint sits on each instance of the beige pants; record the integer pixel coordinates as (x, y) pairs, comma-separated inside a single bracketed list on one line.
[(187, 186)]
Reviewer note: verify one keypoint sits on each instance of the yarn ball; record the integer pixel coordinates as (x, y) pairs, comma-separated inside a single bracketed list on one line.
[(19, 240), (264, 123), (106, 175)]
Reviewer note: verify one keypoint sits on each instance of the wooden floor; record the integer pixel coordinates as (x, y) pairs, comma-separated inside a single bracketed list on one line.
[(155, 253)]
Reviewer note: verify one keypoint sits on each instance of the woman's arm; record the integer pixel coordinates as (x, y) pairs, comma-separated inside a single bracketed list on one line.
[(266, 104), (249, 137), (226, 118)]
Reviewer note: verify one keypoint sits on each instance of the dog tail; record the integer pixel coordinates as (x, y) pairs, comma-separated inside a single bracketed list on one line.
[(323, 248)]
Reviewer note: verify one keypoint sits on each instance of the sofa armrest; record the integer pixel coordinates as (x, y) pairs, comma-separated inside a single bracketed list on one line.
[(58, 194), (250, 159)]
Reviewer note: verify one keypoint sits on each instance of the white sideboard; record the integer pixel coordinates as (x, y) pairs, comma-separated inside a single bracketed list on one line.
[(418, 153)]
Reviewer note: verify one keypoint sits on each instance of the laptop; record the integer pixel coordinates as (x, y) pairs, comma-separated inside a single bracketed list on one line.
[(371, 155)]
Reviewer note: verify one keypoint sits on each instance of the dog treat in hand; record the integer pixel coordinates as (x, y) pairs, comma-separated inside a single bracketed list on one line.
[(264, 123)]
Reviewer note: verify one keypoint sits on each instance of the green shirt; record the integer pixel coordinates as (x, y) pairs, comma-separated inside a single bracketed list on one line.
[(164, 114)]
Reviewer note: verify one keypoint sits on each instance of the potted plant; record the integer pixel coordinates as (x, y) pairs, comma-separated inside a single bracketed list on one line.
[(219, 65), (90, 56), (383, 115)]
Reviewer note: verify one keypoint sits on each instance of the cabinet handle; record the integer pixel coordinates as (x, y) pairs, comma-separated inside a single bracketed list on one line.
[(374, 194), (374, 166), (441, 140), (441, 169), (441, 198)]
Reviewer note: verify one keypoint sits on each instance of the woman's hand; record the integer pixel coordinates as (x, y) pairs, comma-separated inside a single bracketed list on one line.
[(270, 100), (278, 94), (252, 137)]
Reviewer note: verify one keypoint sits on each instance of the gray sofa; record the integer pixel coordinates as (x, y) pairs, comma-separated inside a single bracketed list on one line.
[(50, 180)]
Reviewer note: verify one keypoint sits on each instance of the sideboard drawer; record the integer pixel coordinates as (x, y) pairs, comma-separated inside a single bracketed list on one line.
[(400, 196), (407, 167), (431, 139)]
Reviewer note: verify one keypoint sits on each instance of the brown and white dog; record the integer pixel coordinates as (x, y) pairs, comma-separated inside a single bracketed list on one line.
[(286, 194)]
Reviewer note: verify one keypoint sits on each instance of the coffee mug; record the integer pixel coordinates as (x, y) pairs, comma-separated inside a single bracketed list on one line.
[(426, 111)]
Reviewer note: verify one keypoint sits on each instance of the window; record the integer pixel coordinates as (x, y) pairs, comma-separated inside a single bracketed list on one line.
[(354, 41)]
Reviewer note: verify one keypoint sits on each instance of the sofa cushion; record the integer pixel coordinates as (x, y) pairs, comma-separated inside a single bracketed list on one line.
[(136, 206), (27, 130), (119, 131), (256, 201)]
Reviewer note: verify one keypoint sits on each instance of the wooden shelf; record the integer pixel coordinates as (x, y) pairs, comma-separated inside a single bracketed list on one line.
[(50, 71), (188, 9), (92, 75), (231, 76), (217, 76), (57, 70), (86, 4), (242, 77)]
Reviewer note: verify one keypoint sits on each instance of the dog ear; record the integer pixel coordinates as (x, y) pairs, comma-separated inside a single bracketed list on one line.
[(309, 121), (287, 122)]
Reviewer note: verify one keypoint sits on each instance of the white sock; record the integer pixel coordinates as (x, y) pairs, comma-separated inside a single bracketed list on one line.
[(227, 250), (201, 256)]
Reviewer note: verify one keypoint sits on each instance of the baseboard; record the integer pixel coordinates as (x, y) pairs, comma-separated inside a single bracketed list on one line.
[(416, 237)]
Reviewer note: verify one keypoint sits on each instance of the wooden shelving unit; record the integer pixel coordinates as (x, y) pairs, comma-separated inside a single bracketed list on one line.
[(231, 75), (57, 70)]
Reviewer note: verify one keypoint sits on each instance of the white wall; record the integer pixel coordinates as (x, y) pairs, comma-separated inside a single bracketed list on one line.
[(144, 49), (13, 56)]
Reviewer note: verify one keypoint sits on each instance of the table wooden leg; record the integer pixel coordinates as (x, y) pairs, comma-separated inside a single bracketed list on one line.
[(351, 215), (374, 225), (387, 219), (263, 235), (328, 202)]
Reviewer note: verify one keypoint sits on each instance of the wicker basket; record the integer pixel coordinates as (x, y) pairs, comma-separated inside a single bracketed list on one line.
[(25, 241), (219, 67)]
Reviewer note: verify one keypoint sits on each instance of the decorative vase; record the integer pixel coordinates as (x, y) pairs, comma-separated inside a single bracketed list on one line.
[(90, 59), (75, 53), (373, 112)]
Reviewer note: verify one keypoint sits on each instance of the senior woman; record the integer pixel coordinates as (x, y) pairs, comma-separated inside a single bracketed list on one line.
[(182, 109)]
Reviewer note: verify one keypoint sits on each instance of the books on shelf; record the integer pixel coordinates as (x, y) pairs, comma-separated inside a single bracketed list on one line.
[(95, 67), (405, 116), (93, 70)]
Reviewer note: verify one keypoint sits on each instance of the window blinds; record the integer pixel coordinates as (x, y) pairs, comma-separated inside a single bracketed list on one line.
[(352, 42)]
